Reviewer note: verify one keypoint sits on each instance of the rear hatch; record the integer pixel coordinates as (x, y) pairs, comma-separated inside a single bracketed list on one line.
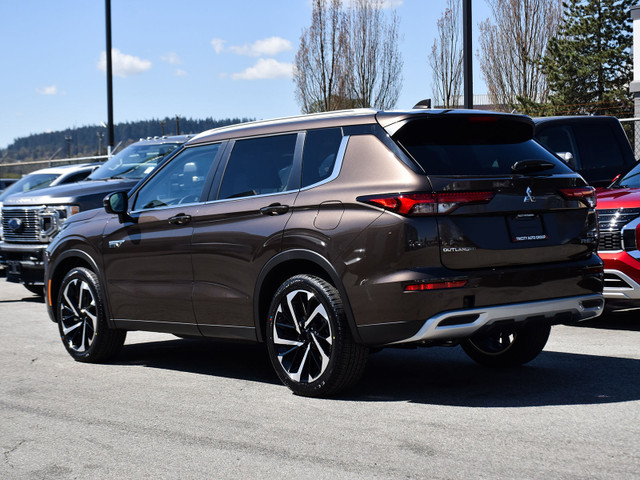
[(500, 198)]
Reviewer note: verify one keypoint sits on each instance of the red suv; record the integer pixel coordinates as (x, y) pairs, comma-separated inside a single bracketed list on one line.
[(619, 216)]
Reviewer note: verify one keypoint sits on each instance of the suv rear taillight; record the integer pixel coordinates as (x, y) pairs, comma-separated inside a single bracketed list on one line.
[(586, 195), (438, 203)]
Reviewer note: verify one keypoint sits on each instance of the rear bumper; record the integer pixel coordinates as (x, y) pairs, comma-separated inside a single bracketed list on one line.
[(467, 322)]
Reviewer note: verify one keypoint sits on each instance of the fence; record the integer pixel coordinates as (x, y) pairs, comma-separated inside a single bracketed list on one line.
[(632, 129)]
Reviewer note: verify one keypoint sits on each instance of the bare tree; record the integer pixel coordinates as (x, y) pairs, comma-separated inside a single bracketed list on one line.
[(512, 48), (348, 58), (376, 61), (446, 58), (321, 63)]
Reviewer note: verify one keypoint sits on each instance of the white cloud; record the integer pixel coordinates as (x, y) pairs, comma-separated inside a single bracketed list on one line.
[(180, 73), (123, 65), (217, 44), (269, 46), (50, 90), (172, 58), (265, 69)]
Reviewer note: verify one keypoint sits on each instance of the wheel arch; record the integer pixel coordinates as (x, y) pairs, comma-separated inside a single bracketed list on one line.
[(285, 265), (68, 260)]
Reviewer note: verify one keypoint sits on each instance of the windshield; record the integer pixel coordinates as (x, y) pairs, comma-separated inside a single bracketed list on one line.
[(33, 181), (134, 162), (630, 180)]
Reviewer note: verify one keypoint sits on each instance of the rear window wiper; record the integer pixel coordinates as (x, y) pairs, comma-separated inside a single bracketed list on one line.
[(531, 166)]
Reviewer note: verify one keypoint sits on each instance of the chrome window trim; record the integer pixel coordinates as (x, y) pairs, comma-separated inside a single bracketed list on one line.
[(337, 166)]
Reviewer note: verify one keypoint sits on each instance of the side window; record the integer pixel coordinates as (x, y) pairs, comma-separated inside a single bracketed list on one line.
[(598, 146), (560, 140), (181, 181), (258, 166), (320, 152)]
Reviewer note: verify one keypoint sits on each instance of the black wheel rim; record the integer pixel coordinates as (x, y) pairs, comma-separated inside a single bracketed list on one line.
[(78, 315), (495, 344), (302, 336)]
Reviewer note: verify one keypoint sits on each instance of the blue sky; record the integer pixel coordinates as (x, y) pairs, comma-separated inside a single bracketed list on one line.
[(193, 58)]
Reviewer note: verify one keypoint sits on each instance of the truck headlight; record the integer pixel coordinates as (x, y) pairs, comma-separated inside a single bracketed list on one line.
[(50, 220)]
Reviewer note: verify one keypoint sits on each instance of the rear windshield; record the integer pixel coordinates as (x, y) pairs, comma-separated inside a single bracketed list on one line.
[(472, 145)]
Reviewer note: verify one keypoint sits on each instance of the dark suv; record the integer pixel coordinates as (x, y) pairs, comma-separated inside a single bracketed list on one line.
[(326, 235)]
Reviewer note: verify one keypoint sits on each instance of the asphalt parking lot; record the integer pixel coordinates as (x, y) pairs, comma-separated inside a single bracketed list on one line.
[(173, 408)]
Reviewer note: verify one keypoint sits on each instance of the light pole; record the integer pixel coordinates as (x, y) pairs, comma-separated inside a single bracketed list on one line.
[(110, 139), (467, 54)]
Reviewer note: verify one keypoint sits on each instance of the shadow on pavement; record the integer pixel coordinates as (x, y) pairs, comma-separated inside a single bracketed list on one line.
[(208, 357), (445, 376), (437, 376)]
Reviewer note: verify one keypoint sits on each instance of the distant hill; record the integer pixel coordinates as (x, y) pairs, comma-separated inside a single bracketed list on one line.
[(85, 141)]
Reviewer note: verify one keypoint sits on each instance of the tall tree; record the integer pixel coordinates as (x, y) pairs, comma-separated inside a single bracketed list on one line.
[(446, 58), (321, 66), (376, 60), (588, 62), (513, 45), (348, 58)]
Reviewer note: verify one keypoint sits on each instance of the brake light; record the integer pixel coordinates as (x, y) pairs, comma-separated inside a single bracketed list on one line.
[(586, 195), (420, 287), (427, 203)]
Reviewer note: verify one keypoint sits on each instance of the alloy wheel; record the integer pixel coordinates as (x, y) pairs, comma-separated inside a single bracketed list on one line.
[(302, 336), (78, 315)]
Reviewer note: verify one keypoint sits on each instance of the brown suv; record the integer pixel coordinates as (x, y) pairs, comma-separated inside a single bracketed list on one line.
[(326, 235)]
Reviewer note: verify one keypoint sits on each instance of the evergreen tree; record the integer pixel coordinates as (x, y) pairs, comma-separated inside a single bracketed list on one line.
[(588, 63)]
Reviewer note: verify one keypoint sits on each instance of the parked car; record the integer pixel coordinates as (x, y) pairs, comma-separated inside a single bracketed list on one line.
[(595, 146), (31, 220), (49, 177), (327, 235), (5, 182), (619, 217)]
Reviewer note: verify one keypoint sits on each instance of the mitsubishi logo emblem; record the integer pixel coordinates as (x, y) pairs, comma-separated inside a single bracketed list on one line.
[(528, 197)]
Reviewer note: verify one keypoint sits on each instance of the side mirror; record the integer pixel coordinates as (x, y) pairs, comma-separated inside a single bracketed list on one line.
[(118, 203)]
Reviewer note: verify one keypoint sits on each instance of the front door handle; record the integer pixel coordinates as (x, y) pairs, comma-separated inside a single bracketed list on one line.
[(180, 219), (274, 209)]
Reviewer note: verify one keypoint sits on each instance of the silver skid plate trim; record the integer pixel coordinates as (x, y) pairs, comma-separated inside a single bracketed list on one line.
[(581, 308)]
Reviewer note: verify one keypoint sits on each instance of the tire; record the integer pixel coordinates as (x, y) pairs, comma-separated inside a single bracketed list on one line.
[(35, 289), (508, 348), (308, 339), (82, 320)]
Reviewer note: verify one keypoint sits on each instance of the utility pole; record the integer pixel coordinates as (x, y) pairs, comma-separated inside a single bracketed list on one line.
[(467, 54), (68, 139), (177, 125), (110, 135)]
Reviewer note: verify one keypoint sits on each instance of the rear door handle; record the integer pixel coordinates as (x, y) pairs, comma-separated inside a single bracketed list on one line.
[(180, 219), (274, 209)]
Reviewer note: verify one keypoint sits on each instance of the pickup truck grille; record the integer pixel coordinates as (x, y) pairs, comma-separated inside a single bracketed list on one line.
[(611, 223), (21, 225)]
